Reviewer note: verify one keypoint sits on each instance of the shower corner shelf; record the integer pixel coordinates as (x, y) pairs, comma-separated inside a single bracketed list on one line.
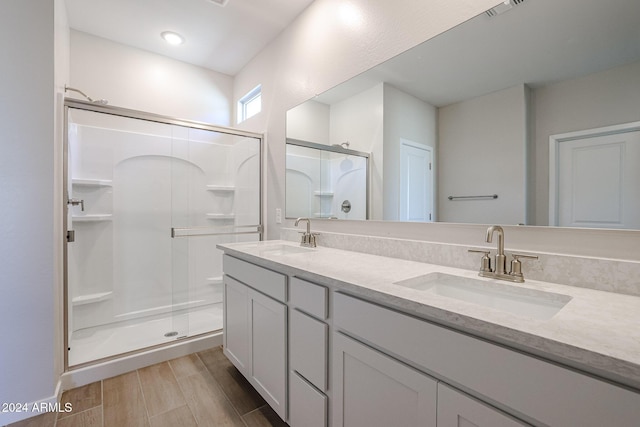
[(91, 298), (221, 188), (92, 218), (220, 216), (92, 182)]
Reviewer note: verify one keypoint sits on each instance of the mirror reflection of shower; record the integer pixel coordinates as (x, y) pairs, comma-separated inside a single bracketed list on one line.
[(95, 101), (321, 177)]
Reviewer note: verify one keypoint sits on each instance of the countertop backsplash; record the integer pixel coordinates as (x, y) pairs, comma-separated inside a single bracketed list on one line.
[(602, 274)]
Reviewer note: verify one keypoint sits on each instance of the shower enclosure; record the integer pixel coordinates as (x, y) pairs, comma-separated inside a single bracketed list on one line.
[(148, 198)]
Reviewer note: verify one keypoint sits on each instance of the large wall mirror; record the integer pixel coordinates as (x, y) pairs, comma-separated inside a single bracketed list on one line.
[(527, 114)]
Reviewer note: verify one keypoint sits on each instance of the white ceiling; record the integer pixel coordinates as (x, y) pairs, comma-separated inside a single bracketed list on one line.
[(223, 39)]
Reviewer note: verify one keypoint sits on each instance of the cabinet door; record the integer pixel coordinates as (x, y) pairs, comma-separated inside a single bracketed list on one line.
[(268, 349), (372, 389), (236, 324), (456, 409)]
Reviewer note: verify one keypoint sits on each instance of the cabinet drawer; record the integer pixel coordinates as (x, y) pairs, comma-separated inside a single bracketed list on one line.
[(266, 281), (526, 385), (309, 297), (308, 348), (307, 406)]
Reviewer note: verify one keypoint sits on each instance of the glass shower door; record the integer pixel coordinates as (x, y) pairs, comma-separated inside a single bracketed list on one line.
[(215, 199), (138, 192)]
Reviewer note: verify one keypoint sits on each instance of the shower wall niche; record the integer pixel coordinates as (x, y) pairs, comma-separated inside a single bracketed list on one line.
[(132, 183)]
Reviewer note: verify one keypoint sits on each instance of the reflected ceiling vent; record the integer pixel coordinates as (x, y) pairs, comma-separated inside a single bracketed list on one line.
[(503, 7), (222, 3)]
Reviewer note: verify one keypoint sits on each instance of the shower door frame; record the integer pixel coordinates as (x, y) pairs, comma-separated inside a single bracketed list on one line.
[(181, 232)]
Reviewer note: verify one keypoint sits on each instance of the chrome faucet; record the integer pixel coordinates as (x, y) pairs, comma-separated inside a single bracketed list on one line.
[(500, 271), (308, 238)]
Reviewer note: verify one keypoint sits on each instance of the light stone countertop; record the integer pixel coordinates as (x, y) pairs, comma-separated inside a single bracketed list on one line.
[(596, 331)]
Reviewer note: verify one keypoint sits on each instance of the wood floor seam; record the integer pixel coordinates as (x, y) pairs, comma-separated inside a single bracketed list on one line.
[(224, 393), (144, 399), (187, 402), (102, 399)]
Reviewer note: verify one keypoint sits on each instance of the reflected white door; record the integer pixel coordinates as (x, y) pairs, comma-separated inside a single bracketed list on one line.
[(598, 180), (416, 182)]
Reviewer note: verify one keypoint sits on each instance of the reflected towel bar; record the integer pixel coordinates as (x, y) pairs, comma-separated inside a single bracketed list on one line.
[(492, 196)]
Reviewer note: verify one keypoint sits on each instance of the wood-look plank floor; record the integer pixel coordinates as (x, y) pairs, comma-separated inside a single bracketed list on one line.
[(201, 389)]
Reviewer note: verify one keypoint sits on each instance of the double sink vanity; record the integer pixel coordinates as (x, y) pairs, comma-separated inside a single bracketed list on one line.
[(331, 337)]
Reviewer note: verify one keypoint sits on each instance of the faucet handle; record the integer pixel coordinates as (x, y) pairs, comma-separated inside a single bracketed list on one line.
[(516, 265), (485, 265), (518, 256)]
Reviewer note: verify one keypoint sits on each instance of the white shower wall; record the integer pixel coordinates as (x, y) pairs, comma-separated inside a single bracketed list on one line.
[(138, 180)]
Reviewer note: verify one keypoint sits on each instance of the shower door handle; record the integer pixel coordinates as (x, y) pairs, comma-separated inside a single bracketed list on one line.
[(76, 202)]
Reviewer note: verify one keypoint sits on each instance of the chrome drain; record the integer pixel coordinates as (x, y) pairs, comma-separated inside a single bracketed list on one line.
[(171, 334)]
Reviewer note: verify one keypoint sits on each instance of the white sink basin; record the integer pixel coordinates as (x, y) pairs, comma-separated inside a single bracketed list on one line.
[(283, 250), (526, 302)]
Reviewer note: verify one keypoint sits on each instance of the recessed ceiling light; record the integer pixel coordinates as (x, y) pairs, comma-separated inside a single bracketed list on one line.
[(172, 38)]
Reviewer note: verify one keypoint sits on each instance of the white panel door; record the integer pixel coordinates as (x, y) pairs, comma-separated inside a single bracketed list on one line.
[(371, 389), (598, 181), (416, 182)]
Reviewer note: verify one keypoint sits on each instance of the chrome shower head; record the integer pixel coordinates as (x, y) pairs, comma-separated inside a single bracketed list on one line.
[(95, 101)]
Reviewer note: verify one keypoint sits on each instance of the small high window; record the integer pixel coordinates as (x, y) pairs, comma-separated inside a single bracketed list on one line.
[(250, 104)]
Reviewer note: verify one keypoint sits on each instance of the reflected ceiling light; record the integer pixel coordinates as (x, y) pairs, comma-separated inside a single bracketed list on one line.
[(172, 38)]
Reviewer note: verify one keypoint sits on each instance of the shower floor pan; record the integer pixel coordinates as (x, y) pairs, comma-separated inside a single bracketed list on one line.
[(100, 342)]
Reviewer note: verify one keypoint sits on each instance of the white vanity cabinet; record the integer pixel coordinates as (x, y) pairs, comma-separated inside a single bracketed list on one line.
[(321, 357), (255, 328), (529, 388)]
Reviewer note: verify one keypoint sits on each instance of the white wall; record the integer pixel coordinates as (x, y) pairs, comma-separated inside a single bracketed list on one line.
[(601, 99), (309, 121), (27, 245), (481, 151), (405, 117), (140, 80), (61, 77)]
